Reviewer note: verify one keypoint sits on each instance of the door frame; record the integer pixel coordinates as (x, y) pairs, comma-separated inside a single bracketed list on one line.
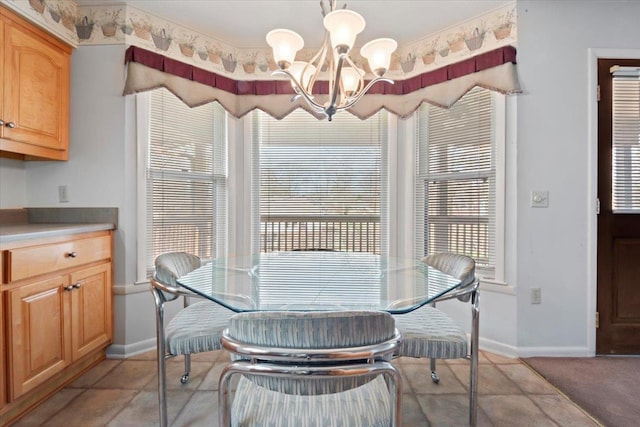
[(592, 192)]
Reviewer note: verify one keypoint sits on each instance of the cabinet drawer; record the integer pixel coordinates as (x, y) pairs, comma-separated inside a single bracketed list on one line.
[(35, 260)]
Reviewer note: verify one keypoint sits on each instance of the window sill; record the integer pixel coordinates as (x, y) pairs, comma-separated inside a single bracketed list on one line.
[(492, 285), (131, 289)]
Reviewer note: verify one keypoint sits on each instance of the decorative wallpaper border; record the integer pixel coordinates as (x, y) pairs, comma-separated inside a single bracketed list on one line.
[(123, 24)]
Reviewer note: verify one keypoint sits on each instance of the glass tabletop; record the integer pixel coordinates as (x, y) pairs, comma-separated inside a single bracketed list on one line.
[(319, 280)]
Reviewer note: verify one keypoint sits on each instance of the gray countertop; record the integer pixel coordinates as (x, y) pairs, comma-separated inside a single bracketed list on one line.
[(16, 232), (36, 223)]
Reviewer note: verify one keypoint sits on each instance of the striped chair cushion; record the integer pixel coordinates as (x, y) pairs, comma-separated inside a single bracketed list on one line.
[(428, 332), (367, 405), (459, 266), (319, 329), (311, 330), (197, 328), (172, 265)]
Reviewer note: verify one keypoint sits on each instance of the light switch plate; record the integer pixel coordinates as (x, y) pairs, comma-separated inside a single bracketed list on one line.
[(536, 296), (539, 198), (63, 193)]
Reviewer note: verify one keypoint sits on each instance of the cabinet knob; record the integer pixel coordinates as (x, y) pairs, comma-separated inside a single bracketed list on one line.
[(68, 288), (1, 122), (72, 254), (10, 125), (77, 285)]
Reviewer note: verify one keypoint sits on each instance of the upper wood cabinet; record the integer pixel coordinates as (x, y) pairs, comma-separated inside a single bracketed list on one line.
[(34, 90)]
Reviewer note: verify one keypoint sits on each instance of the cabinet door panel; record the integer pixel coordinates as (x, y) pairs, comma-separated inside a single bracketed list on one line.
[(91, 309), (2, 79), (38, 344), (3, 371), (36, 98)]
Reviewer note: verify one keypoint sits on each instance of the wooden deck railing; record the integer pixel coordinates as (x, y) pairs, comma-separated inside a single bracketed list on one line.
[(462, 234), (350, 233)]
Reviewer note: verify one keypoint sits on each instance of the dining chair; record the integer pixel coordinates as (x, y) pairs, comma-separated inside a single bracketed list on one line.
[(428, 332), (313, 368), (196, 328)]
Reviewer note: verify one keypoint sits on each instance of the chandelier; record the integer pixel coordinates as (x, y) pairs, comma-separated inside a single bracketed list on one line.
[(346, 80)]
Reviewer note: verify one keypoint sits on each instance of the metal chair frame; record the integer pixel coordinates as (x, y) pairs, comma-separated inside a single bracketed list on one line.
[(473, 290), (162, 294), (468, 291), (311, 364)]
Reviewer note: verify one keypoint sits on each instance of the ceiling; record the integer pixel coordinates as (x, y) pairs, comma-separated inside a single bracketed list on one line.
[(244, 23)]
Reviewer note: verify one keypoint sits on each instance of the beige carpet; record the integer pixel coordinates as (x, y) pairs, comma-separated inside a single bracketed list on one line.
[(607, 387)]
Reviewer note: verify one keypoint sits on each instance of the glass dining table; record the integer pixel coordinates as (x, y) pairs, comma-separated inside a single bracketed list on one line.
[(319, 280)]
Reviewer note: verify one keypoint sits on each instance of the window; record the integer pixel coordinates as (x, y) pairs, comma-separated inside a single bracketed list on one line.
[(626, 140), (186, 177), (456, 179), (320, 185)]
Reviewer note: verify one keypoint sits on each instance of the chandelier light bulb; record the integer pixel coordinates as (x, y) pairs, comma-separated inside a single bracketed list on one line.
[(343, 26), (378, 53), (285, 45)]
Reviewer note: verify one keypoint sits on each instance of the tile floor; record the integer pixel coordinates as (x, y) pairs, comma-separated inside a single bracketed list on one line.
[(123, 393)]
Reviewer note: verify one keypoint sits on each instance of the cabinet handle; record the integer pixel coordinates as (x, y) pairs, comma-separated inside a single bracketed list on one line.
[(1, 122), (10, 125), (77, 285), (72, 254), (68, 288)]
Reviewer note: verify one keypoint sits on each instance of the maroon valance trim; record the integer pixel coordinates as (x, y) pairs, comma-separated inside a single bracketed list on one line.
[(471, 65)]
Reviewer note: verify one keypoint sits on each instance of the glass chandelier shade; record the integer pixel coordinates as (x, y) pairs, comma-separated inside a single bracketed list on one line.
[(343, 26), (378, 54), (350, 78), (285, 45), (302, 72), (346, 80)]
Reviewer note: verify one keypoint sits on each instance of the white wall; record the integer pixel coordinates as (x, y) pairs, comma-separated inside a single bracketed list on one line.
[(551, 150), (13, 187), (555, 246), (101, 172)]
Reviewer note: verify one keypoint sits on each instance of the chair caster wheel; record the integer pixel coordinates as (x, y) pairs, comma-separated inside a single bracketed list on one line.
[(184, 379), (435, 378)]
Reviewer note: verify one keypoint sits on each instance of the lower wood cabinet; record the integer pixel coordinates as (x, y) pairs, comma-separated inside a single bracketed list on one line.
[(56, 324)]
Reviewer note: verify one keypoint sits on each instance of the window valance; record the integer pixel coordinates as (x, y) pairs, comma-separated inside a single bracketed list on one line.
[(494, 70)]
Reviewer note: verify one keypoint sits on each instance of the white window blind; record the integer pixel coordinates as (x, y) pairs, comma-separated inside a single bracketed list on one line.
[(320, 184), (626, 140), (186, 178), (455, 179), (343, 278)]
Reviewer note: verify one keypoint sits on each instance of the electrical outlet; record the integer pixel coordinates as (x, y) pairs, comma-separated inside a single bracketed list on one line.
[(536, 295), (539, 198), (63, 194)]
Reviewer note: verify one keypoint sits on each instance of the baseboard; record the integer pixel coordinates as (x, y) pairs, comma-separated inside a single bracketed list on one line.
[(498, 348), (555, 352), (118, 351), (506, 350)]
